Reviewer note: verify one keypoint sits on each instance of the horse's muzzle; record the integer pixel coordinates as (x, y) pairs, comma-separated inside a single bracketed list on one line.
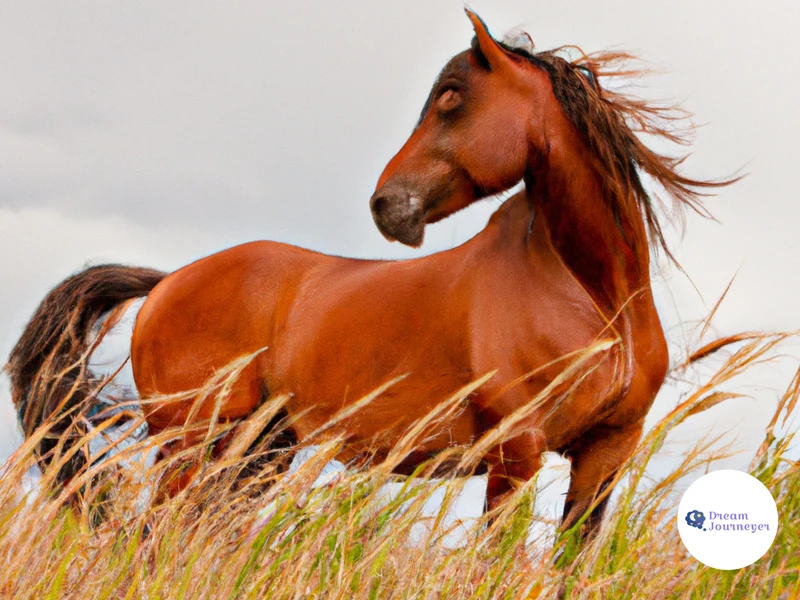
[(399, 216)]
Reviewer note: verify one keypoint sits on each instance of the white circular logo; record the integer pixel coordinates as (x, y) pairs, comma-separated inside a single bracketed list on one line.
[(727, 519)]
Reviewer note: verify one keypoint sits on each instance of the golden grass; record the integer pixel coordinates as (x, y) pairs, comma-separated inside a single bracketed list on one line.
[(350, 540)]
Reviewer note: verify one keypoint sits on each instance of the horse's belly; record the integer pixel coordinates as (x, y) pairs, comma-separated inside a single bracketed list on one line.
[(368, 439), (441, 419), (408, 454)]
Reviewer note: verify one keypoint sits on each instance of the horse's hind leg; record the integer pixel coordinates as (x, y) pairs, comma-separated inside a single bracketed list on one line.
[(246, 394), (595, 462)]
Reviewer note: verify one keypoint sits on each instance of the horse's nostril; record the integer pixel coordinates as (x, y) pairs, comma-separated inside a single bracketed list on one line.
[(378, 204)]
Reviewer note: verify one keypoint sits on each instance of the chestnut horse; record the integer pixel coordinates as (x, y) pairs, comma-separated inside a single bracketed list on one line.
[(559, 267)]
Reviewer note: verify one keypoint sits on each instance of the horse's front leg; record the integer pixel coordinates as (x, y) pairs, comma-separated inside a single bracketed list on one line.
[(512, 463), (596, 458)]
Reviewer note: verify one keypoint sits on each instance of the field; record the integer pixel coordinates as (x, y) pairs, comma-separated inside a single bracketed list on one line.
[(246, 532)]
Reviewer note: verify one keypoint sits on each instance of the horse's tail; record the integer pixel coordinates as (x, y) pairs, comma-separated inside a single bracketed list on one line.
[(47, 366)]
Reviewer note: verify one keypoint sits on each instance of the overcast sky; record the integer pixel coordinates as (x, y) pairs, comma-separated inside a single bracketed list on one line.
[(154, 133)]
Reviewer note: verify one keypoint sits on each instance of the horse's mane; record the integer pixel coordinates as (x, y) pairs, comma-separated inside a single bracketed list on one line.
[(610, 121)]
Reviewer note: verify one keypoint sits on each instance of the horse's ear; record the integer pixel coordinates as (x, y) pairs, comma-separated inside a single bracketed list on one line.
[(491, 50)]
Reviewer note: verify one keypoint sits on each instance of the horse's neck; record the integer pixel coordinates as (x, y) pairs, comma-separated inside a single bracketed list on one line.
[(607, 253)]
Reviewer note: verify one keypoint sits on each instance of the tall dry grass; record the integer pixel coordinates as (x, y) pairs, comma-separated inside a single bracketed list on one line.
[(244, 529)]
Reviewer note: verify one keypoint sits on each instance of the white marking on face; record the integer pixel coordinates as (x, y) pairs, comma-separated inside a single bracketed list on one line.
[(414, 203)]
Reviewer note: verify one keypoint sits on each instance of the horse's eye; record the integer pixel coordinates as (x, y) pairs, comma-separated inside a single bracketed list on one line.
[(449, 100)]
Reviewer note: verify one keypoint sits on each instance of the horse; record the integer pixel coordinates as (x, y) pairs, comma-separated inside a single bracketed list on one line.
[(560, 267)]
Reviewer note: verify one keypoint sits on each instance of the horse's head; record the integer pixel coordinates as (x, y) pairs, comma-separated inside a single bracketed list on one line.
[(483, 120)]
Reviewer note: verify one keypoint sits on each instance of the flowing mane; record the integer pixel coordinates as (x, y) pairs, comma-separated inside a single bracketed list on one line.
[(610, 121)]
